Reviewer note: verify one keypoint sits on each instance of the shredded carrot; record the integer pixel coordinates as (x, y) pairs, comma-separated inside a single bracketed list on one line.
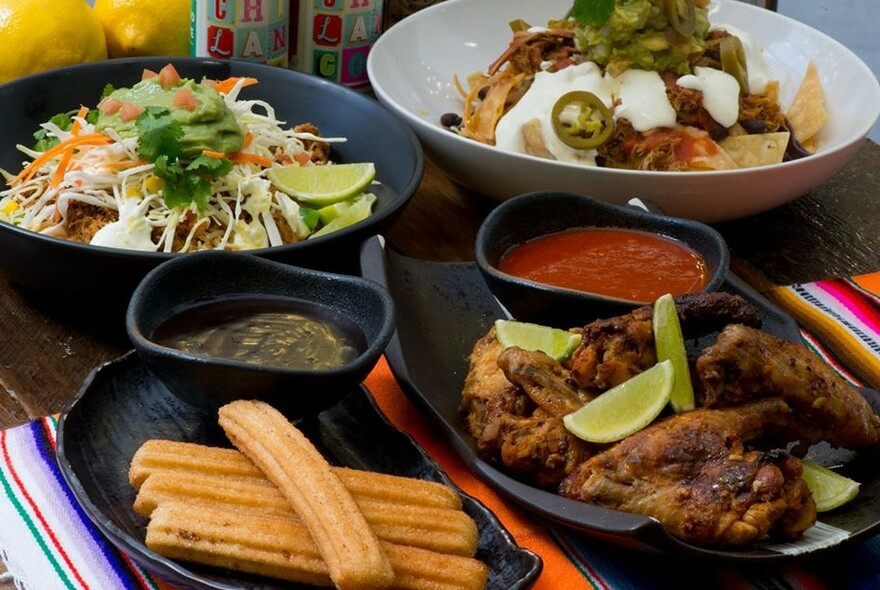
[(225, 86), (67, 156), (248, 138), (58, 150), (122, 164), (63, 163), (75, 128), (243, 158), (213, 154)]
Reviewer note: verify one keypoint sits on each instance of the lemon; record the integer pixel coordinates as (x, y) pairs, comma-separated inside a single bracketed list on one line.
[(553, 342), (624, 409), (145, 27), (38, 35), (340, 215), (669, 344), (320, 186), (829, 489)]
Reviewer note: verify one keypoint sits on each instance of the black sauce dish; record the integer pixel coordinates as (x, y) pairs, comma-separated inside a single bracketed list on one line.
[(240, 282), (542, 213), (98, 281)]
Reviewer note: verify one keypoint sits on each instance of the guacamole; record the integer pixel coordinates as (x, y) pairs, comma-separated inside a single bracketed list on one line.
[(208, 126), (638, 35)]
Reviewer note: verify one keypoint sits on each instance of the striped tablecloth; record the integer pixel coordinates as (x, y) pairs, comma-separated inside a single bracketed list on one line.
[(46, 542)]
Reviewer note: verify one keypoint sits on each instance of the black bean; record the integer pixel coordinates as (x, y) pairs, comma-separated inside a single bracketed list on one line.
[(753, 126), (794, 150), (450, 119)]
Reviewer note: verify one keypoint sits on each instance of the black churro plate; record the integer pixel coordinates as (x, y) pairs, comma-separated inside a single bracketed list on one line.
[(121, 404)]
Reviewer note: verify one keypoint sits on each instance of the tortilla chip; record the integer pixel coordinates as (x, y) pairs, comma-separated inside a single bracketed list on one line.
[(761, 149), (533, 139), (807, 114), (717, 161), (810, 145)]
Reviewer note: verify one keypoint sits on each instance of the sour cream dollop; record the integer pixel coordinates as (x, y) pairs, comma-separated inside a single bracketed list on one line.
[(720, 93), (131, 231), (643, 100)]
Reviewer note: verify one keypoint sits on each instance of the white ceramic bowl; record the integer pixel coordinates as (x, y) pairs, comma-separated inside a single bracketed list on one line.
[(412, 65)]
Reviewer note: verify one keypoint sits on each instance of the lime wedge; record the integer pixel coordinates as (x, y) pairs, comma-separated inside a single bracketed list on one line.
[(669, 344), (553, 342), (624, 409), (340, 215), (319, 186), (829, 489)]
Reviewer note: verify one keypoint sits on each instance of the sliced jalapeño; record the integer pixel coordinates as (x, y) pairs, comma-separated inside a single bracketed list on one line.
[(682, 16), (733, 61), (581, 120)]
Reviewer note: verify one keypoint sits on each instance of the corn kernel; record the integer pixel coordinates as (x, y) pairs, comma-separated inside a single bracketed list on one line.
[(10, 206), (154, 184), (132, 192)]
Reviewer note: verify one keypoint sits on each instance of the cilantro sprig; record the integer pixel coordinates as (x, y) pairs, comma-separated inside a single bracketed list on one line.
[(594, 13), (159, 136)]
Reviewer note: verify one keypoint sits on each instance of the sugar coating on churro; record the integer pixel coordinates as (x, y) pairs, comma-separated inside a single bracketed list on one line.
[(327, 509), (283, 548), (157, 454), (188, 458), (439, 529)]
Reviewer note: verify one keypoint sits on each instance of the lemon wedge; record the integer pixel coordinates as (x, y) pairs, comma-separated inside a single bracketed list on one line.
[(624, 409)]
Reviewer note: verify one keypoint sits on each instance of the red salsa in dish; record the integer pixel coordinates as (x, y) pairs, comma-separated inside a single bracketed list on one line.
[(623, 263)]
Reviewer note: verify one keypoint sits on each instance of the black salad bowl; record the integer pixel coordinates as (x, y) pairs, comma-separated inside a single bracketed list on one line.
[(537, 214), (207, 381), (99, 279)]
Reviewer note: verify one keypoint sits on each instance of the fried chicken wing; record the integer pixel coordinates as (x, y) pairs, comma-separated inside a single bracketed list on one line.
[(514, 401), (745, 364), (693, 473), (616, 349), (542, 378)]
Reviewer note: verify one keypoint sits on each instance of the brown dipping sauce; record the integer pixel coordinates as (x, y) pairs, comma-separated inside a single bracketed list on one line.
[(623, 263), (265, 330)]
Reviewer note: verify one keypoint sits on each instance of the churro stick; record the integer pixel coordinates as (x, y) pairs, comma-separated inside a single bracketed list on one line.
[(282, 548), (440, 529), (166, 455), (290, 461)]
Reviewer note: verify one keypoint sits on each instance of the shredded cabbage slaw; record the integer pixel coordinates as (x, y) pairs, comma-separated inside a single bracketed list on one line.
[(106, 171)]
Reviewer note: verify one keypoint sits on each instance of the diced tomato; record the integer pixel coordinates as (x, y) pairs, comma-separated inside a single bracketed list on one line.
[(130, 112), (109, 105), (302, 158), (147, 74), (168, 76), (209, 83), (185, 98)]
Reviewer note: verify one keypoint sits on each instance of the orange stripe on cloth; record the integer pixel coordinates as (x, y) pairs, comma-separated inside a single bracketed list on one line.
[(834, 334), (558, 572), (869, 282)]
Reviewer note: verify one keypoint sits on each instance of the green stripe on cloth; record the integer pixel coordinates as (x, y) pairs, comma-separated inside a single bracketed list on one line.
[(25, 515)]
